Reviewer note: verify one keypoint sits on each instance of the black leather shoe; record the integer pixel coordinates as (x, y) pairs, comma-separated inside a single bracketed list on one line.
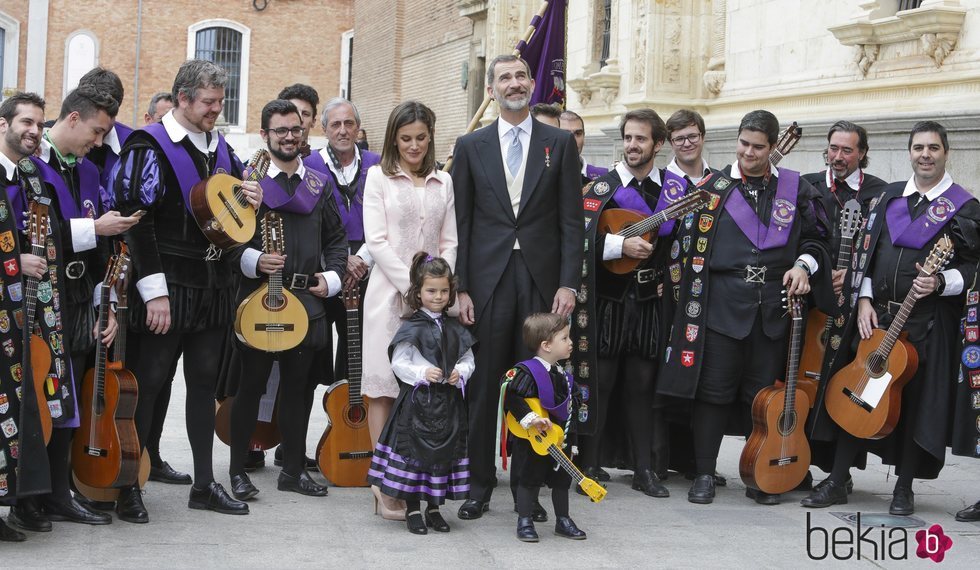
[(597, 474), (720, 480), (164, 473), (702, 490), (71, 511), (415, 523), (242, 487), (903, 502), (806, 484), (826, 494), (129, 506), (255, 460), (538, 514), (525, 530), (214, 498), (8, 534), (565, 528), (309, 463), (472, 509), (849, 485), (434, 520), (302, 484), (761, 497), (969, 514), (646, 480), (28, 516)]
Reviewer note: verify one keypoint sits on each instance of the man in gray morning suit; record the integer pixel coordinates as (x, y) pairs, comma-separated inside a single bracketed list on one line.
[(519, 217)]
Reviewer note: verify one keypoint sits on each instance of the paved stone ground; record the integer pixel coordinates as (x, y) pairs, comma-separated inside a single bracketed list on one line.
[(625, 530)]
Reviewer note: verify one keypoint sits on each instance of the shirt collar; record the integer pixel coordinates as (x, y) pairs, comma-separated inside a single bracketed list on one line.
[(111, 139), (177, 132), (274, 170), (853, 180), (625, 175), (326, 160), (435, 316), (937, 190), (504, 128), (673, 167), (737, 172), (47, 148), (9, 168), (547, 365)]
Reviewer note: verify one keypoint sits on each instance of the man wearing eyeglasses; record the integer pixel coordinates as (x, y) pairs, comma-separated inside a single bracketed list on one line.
[(313, 232), (685, 131)]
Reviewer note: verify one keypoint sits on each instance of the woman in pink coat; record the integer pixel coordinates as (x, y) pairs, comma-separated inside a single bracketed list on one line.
[(408, 207)]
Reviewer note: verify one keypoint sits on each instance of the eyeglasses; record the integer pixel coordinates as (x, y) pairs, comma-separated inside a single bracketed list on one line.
[(282, 131), (693, 139)]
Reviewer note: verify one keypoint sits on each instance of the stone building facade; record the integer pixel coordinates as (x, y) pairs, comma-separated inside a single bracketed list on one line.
[(49, 44)]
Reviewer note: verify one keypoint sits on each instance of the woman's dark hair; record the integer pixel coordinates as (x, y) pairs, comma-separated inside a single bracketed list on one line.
[(406, 114), (423, 267)]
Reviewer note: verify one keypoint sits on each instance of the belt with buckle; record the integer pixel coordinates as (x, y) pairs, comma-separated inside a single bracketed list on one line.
[(755, 274), (645, 276), (75, 269), (301, 281), (890, 307)]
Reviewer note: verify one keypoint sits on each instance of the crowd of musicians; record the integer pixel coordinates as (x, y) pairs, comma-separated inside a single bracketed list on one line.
[(499, 283)]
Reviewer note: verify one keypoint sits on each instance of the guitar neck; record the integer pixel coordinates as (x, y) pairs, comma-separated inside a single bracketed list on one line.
[(895, 329), (30, 292), (792, 370), (102, 351), (775, 157), (119, 344), (354, 358), (844, 252), (566, 463)]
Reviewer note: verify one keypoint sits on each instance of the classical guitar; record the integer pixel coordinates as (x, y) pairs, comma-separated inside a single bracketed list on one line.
[(271, 318), (344, 452), (550, 444), (220, 208), (776, 457), (266, 432), (629, 223), (865, 397), (818, 323), (118, 360), (39, 353), (787, 140), (105, 450)]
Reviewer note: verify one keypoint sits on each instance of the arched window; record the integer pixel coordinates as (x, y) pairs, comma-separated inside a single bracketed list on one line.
[(226, 43), (81, 56)]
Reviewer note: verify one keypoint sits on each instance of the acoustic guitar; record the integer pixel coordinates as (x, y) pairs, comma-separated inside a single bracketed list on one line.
[(345, 450), (220, 208), (865, 397), (818, 323), (271, 318), (776, 457), (105, 451), (630, 223), (38, 352), (109, 494), (550, 443), (266, 433)]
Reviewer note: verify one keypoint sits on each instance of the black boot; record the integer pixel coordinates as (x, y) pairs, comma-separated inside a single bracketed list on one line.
[(129, 506), (27, 515)]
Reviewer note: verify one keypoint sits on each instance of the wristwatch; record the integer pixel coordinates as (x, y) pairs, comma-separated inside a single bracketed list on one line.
[(803, 265)]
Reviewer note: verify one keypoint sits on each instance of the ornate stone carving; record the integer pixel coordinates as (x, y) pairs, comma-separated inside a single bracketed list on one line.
[(582, 88), (638, 69), (938, 46), (672, 42), (714, 81), (865, 57), (607, 81), (714, 77)]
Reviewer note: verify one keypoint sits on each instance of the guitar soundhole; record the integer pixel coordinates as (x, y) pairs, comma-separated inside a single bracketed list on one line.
[(239, 196), (356, 414), (877, 365), (783, 429), (272, 303)]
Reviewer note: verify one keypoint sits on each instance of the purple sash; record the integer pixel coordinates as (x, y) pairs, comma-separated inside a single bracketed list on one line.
[(88, 181), (181, 162), (353, 218), (302, 201), (674, 188), (546, 391), (593, 172), (906, 232), (780, 220), (630, 198), (315, 161), (111, 158)]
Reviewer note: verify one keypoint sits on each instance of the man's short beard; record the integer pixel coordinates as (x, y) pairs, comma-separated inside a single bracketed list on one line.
[(512, 105), (285, 157)]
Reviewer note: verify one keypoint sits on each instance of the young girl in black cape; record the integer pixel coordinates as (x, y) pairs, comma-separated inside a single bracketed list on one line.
[(421, 453)]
